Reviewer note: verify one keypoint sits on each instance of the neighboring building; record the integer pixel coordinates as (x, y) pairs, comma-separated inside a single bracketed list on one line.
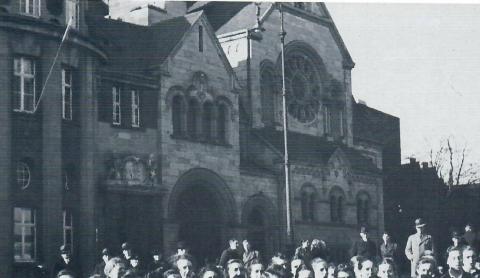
[(165, 126)]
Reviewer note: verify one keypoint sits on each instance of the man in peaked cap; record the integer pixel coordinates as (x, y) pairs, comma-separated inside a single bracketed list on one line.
[(100, 267), (417, 244), (126, 253), (65, 262)]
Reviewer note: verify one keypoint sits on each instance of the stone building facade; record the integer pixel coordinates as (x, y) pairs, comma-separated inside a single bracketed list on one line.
[(161, 122)]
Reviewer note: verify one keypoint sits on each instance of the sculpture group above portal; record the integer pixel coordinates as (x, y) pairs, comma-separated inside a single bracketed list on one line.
[(131, 170)]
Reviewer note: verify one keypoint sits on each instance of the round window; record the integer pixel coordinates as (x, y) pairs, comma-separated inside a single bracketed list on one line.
[(23, 175)]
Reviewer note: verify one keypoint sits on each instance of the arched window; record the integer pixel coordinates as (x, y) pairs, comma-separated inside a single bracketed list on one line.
[(267, 91), (308, 202), (178, 112), (207, 121), (192, 116), (222, 113), (23, 174), (337, 205), (363, 208)]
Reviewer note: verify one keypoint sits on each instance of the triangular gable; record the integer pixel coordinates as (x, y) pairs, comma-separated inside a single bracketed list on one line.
[(193, 19), (339, 159), (325, 21)]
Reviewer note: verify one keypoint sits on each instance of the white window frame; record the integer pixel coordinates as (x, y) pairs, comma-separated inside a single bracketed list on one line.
[(20, 73), (23, 175), (116, 106), (68, 227), (23, 225), (135, 108), (67, 93), (72, 10), (327, 120), (34, 5)]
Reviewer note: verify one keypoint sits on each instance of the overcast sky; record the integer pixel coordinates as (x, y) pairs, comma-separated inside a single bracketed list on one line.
[(421, 63)]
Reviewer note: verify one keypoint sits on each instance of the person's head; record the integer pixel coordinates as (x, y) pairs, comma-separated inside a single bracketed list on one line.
[(304, 272), (468, 227), (420, 225), (181, 248), (171, 273), (386, 236), (235, 269), (209, 272), (468, 257), (184, 266), (233, 243), (126, 250), (331, 270), (364, 233), (280, 259), (275, 271), (105, 255), (134, 261), (456, 238), (157, 255), (425, 268), (115, 268), (386, 269), (365, 268), (354, 263), (246, 245), (295, 263), (65, 274), (305, 243), (255, 269), (454, 259), (65, 253), (342, 271), (319, 266)]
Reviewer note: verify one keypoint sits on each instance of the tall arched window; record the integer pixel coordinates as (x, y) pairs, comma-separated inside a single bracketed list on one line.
[(178, 112), (336, 205), (363, 208), (207, 121), (192, 116), (222, 113), (267, 91), (308, 202)]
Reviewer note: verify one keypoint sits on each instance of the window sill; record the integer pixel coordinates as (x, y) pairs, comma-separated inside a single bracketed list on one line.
[(201, 140), (131, 128)]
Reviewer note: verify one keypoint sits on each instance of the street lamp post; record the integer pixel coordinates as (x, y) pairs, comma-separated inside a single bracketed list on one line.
[(285, 131)]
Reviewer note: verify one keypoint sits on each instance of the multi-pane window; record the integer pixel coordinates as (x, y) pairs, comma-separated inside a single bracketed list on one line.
[(207, 121), (192, 116), (24, 244), (308, 202), (222, 123), (24, 85), (116, 106), (23, 175), (200, 38), (363, 208), (67, 94), (68, 228), (178, 111), (135, 108), (31, 7), (72, 13), (336, 206)]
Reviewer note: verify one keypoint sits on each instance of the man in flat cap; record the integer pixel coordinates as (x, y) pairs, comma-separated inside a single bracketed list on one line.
[(417, 244), (364, 247), (100, 267), (65, 262)]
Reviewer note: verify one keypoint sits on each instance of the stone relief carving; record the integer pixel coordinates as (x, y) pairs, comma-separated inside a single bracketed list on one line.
[(131, 170)]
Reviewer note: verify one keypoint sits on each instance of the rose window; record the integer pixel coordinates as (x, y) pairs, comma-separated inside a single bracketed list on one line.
[(302, 84)]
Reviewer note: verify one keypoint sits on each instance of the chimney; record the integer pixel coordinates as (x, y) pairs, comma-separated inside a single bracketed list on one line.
[(146, 12), (413, 160)]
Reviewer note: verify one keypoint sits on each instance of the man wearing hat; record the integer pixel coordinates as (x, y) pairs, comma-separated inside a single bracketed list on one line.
[(126, 253), (65, 262), (100, 267), (158, 265), (456, 242), (136, 267), (364, 247), (417, 244)]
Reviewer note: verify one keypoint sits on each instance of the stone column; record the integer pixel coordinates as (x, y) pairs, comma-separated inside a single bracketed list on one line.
[(6, 221), (88, 197), (51, 109)]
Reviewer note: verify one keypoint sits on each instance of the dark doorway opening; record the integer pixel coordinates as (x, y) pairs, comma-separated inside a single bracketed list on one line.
[(199, 215), (256, 231)]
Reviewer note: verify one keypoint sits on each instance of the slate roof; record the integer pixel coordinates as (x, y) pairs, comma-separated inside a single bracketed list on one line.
[(373, 125), (313, 149), (133, 48)]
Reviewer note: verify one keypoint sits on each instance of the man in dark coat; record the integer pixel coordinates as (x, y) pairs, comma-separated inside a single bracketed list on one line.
[(158, 266), (469, 237), (65, 262), (100, 267), (388, 248), (230, 253), (364, 247), (126, 254)]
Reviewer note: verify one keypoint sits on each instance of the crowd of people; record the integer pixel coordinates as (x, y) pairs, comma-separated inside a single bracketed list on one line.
[(310, 260)]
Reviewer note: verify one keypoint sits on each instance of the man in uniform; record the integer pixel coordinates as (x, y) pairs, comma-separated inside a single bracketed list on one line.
[(65, 262), (417, 244)]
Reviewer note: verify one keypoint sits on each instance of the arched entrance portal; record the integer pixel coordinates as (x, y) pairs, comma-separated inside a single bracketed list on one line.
[(200, 222), (202, 207)]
